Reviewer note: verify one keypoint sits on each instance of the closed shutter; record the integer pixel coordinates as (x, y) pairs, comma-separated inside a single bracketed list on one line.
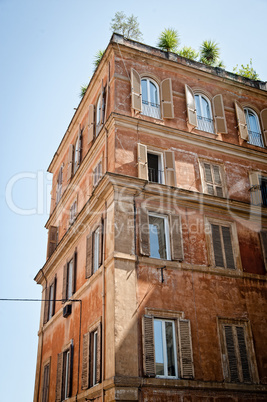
[(142, 161), (219, 115), (176, 238), (255, 191), (263, 116), (185, 349), (144, 243), (231, 353), (228, 250), (167, 99), (46, 306), (89, 265), (217, 245), (98, 354), (243, 354), (148, 347), (70, 162), (136, 91), (91, 123), (208, 178), (54, 296), (217, 180), (52, 240), (59, 377), (69, 390), (170, 173), (190, 106), (241, 121), (64, 286), (74, 272), (263, 237), (85, 361), (80, 146), (45, 387)]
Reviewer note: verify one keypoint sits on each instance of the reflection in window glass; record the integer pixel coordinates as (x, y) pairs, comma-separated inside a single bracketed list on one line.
[(157, 237), (165, 348)]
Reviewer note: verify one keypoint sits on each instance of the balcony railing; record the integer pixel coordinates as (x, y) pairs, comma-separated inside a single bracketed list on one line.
[(255, 138), (151, 109), (205, 124), (259, 194), (155, 175)]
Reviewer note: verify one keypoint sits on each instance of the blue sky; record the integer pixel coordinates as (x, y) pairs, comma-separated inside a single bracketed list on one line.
[(47, 49)]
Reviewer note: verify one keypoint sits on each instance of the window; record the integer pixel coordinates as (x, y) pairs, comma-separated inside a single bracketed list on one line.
[(96, 249), (212, 179), (155, 167), (64, 374), (253, 127), (69, 278), (59, 185), (50, 301), (160, 355), (52, 240), (45, 386), (97, 173), (75, 155), (258, 189), (73, 212), (204, 114), (94, 244), (100, 110), (238, 357), (91, 361), (150, 98), (159, 236)]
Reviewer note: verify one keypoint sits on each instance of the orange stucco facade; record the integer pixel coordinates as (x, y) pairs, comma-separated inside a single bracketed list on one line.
[(108, 179)]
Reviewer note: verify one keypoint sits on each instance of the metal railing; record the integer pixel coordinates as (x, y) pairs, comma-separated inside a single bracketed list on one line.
[(259, 194), (155, 175), (255, 138), (151, 109), (205, 124)]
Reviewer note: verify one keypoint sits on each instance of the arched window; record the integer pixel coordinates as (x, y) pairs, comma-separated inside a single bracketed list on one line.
[(204, 114), (253, 126), (150, 98)]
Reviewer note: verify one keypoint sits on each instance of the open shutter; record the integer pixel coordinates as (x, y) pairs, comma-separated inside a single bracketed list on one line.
[(136, 90), (69, 390), (85, 361), (70, 162), (148, 347), (54, 296), (185, 349), (263, 237), (191, 106), (52, 240), (46, 306), (167, 99), (74, 272), (263, 116), (89, 265), (64, 286), (217, 245), (228, 249), (144, 244), (80, 146), (255, 191), (91, 123), (176, 238), (101, 106), (170, 173), (59, 377), (98, 354), (231, 353), (241, 121), (219, 115), (100, 243), (142, 161)]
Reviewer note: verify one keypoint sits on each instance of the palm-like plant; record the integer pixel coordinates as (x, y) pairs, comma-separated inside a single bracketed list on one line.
[(209, 53), (168, 40), (188, 52), (83, 90), (98, 57)]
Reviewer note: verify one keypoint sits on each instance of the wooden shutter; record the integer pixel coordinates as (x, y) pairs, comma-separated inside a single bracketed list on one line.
[(45, 382), (91, 123), (228, 250), (148, 346), (55, 295), (142, 161), (69, 390), (243, 354), (64, 286), (241, 121), (217, 180), (100, 243), (185, 349), (231, 353), (170, 173), (89, 256), (191, 106), (263, 116), (59, 377), (217, 245), (52, 240), (144, 243), (263, 237), (136, 90), (46, 306), (176, 238), (85, 361), (167, 99), (98, 354), (219, 115), (74, 272), (80, 146), (70, 162), (255, 191)]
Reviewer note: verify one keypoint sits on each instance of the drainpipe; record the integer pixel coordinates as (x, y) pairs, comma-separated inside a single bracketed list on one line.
[(103, 301)]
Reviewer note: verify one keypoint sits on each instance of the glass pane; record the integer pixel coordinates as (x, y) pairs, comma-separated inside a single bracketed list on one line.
[(253, 123), (96, 250), (198, 105), (205, 108), (153, 167), (170, 348), (158, 347), (144, 91), (157, 237), (153, 94)]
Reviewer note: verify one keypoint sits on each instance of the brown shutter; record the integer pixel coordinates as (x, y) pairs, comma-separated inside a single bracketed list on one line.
[(208, 178), (100, 243), (46, 306), (45, 382), (231, 353), (142, 161), (263, 237), (74, 272), (101, 104), (176, 238), (167, 99), (217, 246), (85, 361), (70, 162), (241, 121), (243, 354), (170, 173), (52, 240), (64, 286), (255, 191), (144, 243), (91, 123), (59, 377), (89, 256), (263, 116), (185, 349), (219, 115), (191, 106), (136, 90), (69, 390), (80, 146), (98, 354), (55, 295), (226, 233), (148, 347)]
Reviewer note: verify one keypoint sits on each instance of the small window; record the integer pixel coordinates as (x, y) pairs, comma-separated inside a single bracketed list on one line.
[(69, 278), (73, 212), (159, 236), (76, 155), (97, 173), (165, 348), (253, 126), (204, 114), (64, 374), (50, 301), (150, 98), (66, 370), (59, 185), (212, 179), (98, 110), (155, 167), (45, 387), (91, 361)]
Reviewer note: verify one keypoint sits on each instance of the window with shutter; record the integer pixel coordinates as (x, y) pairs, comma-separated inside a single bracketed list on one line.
[(222, 246), (70, 162), (64, 374), (91, 363), (204, 113), (50, 301), (52, 240), (59, 185), (73, 212), (69, 278), (97, 173), (263, 116), (45, 387), (91, 123), (150, 98), (159, 237), (212, 179)]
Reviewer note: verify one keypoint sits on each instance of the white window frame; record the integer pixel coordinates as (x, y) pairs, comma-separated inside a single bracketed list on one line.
[(66, 368), (161, 169), (76, 155), (207, 126), (167, 234), (70, 275), (94, 360), (148, 110), (164, 347), (247, 111)]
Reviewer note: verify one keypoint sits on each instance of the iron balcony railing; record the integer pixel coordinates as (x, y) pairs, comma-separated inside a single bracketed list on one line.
[(205, 124), (259, 194), (155, 175), (151, 109), (255, 138)]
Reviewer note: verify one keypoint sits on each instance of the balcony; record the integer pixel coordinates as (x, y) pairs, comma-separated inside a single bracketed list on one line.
[(259, 194), (205, 124), (255, 138), (151, 109)]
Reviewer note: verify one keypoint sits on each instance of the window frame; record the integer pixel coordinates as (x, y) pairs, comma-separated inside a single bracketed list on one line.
[(91, 356), (96, 249), (148, 112), (211, 129), (165, 219), (46, 380), (161, 170), (97, 173), (204, 181), (59, 184), (70, 278), (249, 111), (73, 212)]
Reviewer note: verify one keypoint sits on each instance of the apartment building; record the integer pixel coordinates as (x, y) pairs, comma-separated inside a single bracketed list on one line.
[(154, 287)]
